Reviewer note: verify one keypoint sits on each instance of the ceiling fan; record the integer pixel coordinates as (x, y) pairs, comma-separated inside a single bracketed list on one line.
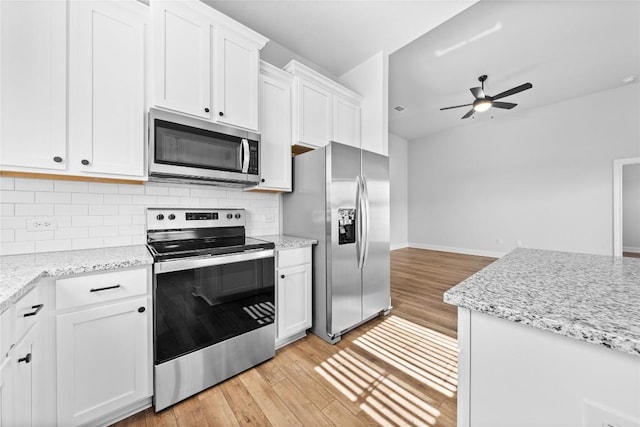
[(483, 102)]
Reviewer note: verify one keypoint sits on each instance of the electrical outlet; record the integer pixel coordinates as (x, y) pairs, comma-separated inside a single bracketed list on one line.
[(499, 241), (41, 224), (269, 218), (518, 243)]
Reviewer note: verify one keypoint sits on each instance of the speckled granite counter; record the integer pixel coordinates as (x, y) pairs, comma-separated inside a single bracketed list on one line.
[(592, 298), (20, 273), (282, 241)]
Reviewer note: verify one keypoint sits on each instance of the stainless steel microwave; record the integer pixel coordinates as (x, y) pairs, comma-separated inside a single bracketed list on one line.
[(186, 149)]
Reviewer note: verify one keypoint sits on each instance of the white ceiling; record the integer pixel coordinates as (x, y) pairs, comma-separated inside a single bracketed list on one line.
[(564, 48)]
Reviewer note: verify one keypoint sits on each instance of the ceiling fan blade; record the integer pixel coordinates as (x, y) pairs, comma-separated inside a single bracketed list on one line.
[(469, 113), (477, 92), (455, 106), (505, 105), (513, 91)]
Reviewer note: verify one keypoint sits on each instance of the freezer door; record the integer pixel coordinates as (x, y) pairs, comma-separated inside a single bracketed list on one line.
[(376, 293), (344, 291)]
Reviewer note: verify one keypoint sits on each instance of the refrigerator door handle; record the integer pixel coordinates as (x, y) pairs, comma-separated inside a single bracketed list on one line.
[(359, 251), (365, 227)]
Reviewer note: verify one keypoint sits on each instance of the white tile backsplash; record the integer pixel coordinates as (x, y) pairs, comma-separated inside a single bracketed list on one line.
[(94, 215)]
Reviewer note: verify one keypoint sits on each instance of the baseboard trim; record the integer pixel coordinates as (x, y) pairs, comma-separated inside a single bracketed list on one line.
[(466, 251), (395, 246), (633, 249)]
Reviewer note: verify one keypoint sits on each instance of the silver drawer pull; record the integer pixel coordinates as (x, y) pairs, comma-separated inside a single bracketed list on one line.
[(104, 289), (37, 308)]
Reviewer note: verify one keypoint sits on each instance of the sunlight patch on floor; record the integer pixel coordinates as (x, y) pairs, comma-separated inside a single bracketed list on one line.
[(425, 355)]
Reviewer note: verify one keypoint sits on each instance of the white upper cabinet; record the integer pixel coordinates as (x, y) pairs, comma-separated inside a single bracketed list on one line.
[(236, 73), (346, 121), (206, 64), (33, 58), (275, 124), (323, 110), (106, 89), (182, 58)]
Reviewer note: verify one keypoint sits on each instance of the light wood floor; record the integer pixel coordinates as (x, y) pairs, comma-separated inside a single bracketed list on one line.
[(396, 370)]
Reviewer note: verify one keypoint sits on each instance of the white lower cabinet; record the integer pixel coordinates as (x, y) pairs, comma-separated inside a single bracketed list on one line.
[(293, 294), (103, 346)]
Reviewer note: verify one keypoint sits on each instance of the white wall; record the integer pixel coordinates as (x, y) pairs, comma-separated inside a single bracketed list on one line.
[(371, 80), (542, 176), (631, 208), (398, 177), (96, 215)]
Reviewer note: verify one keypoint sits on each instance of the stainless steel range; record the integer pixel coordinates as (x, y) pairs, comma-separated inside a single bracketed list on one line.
[(213, 291)]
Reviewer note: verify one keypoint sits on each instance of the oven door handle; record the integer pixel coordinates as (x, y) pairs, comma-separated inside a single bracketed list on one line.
[(192, 263)]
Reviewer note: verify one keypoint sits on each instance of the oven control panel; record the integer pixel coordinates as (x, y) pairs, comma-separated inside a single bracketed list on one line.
[(180, 218)]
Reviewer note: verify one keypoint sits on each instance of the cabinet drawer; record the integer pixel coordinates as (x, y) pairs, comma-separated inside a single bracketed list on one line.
[(98, 288), (291, 257), (27, 312)]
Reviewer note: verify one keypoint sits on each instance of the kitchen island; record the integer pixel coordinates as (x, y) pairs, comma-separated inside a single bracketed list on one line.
[(549, 338)]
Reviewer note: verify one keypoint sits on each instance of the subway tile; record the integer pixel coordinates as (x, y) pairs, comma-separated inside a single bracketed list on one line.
[(34, 184), (71, 186), (72, 232), (86, 221), (156, 191), (103, 187), (40, 209), (8, 223), (103, 231), (202, 191), (117, 241), (52, 197), (87, 198), (120, 199), (168, 201), (14, 248), (71, 209), (7, 235), (9, 196), (179, 191), (22, 235), (53, 245), (130, 189), (131, 230), (103, 209), (131, 210), (118, 219), (139, 240), (145, 200), (189, 202), (88, 243), (264, 203), (139, 219), (210, 202), (6, 183), (7, 209), (64, 220)]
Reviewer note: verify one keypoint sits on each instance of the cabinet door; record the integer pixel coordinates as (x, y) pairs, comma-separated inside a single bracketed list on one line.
[(24, 358), (275, 139), (106, 90), (33, 90), (294, 300), (346, 122), (314, 125), (236, 76), (103, 360), (182, 59)]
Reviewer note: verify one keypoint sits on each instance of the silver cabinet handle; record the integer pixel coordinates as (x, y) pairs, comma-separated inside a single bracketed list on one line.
[(245, 157)]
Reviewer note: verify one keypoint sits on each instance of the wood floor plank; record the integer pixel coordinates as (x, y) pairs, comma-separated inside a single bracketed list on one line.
[(373, 376), (268, 400)]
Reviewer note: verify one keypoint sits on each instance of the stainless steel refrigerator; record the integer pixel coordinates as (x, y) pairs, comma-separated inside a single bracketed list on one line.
[(341, 198)]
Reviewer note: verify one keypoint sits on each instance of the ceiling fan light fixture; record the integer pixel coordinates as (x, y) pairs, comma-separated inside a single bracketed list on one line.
[(481, 105)]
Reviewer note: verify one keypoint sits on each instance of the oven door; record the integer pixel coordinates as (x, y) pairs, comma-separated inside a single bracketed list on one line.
[(204, 301)]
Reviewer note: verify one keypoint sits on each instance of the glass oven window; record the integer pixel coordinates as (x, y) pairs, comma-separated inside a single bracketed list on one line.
[(182, 145), (200, 307)]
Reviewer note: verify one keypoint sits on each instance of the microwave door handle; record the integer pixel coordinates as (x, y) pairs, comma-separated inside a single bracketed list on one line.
[(245, 155)]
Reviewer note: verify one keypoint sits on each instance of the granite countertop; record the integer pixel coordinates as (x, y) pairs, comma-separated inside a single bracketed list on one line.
[(20, 273), (283, 241), (593, 298)]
